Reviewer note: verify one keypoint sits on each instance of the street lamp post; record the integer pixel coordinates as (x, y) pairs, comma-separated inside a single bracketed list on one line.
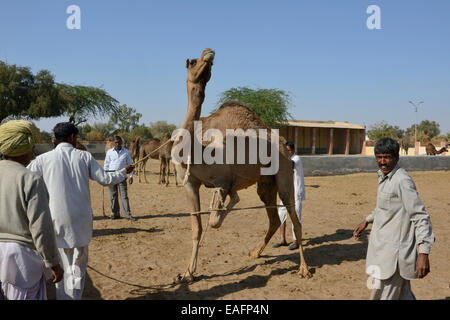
[(415, 126)]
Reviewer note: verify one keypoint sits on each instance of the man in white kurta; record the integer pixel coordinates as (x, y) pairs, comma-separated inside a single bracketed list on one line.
[(401, 237), (66, 172), (299, 194)]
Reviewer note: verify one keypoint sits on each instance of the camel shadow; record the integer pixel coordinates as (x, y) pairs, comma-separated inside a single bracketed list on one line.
[(312, 185), (325, 254), (339, 235), (109, 232)]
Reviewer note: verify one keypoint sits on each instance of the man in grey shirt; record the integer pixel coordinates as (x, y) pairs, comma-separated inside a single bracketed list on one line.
[(401, 236)]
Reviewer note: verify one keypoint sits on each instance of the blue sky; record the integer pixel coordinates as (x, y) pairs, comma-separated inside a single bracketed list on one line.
[(319, 51)]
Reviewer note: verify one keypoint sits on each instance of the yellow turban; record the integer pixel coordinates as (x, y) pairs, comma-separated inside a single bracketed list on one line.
[(17, 137)]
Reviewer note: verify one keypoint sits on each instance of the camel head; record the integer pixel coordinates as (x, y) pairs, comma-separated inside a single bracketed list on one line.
[(199, 70)]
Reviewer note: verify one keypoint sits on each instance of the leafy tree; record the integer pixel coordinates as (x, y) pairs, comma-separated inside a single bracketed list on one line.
[(160, 129), (141, 131), (94, 135), (384, 130), (125, 118), (271, 105), (106, 129), (87, 102), (46, 137), (23, 94)]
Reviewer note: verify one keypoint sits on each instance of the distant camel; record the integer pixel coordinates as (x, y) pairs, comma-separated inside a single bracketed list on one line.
[(109, 144), (431, 150), (404, 145), (146, 152), (134, 149), (164, 162)]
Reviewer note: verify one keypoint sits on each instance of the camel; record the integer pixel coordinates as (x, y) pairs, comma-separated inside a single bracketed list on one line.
[(109, 144), (404, 145), (431, 150), (146, 152), (164, 162), (230, 178), (134, 149)]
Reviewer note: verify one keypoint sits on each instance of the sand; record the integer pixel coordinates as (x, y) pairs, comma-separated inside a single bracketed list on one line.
[(140, 259)]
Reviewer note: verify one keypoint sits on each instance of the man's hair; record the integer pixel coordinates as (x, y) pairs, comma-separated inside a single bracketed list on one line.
[(387, 145), (118, 138), (64, 130), (291, 145)]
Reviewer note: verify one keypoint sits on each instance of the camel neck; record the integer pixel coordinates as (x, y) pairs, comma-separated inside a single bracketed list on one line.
[(196, 96)]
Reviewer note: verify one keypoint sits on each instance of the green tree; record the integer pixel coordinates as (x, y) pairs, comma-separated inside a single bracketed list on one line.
[(87, 102), (23, 94), (106, 129), (125, 119), (271, 105), (45, 137), (160, 129), (382, 129), (141, 131)]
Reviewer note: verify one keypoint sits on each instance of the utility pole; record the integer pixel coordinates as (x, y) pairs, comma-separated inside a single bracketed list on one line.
[(415, 126)]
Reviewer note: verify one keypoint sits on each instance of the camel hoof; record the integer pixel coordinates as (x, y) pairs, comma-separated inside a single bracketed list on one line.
[(303, 272), (187, 278), (254, 254)]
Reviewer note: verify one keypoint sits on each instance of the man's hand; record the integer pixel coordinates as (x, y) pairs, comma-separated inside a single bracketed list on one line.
[(422, 265), (58, 273), (359, 229), (130, 180), (129, 168)]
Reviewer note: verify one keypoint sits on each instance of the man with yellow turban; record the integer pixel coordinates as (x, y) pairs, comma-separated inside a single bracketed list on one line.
[(28, 251)]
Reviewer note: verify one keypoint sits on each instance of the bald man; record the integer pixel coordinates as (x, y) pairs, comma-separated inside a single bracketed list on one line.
[(28, 251)]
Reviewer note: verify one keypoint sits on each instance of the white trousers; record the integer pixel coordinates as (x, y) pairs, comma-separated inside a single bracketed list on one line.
[(283, 213), (74, 261), (9, 291), (394, 288)]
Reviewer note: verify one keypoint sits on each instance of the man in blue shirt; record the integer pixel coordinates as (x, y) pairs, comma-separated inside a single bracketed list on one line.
[(117, 158)]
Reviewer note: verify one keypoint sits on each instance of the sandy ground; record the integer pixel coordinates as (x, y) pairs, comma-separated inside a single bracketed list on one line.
[(139, 260)]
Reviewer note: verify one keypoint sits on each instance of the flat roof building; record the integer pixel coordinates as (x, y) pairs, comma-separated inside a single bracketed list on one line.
[(325, 137)]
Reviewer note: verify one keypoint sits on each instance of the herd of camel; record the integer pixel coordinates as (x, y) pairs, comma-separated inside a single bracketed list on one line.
[(430, 148), (153, 149)]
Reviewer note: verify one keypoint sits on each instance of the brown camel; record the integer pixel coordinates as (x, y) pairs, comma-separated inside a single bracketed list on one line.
[(165, 157), (404, 145), (145, 153), (431, 150), (109, 144), (230, 178), (134, 149)]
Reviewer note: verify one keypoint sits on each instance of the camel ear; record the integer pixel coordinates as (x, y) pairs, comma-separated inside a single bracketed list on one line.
[(187, 63)]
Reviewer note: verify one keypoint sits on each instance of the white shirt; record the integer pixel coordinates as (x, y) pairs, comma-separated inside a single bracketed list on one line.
[(116, 160), (299, 180), (66, 172)]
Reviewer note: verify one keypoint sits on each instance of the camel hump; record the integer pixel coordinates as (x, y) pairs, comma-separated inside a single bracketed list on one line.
[(237, 115)]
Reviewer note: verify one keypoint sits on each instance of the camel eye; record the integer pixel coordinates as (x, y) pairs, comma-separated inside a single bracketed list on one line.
[(193, 62)]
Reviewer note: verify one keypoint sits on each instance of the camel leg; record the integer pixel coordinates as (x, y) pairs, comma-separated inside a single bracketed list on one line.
[(161, 165), (145, 173), (303, 270), (167, 171), (216, 218), (268, 194), (193, 196), (175, 174)]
